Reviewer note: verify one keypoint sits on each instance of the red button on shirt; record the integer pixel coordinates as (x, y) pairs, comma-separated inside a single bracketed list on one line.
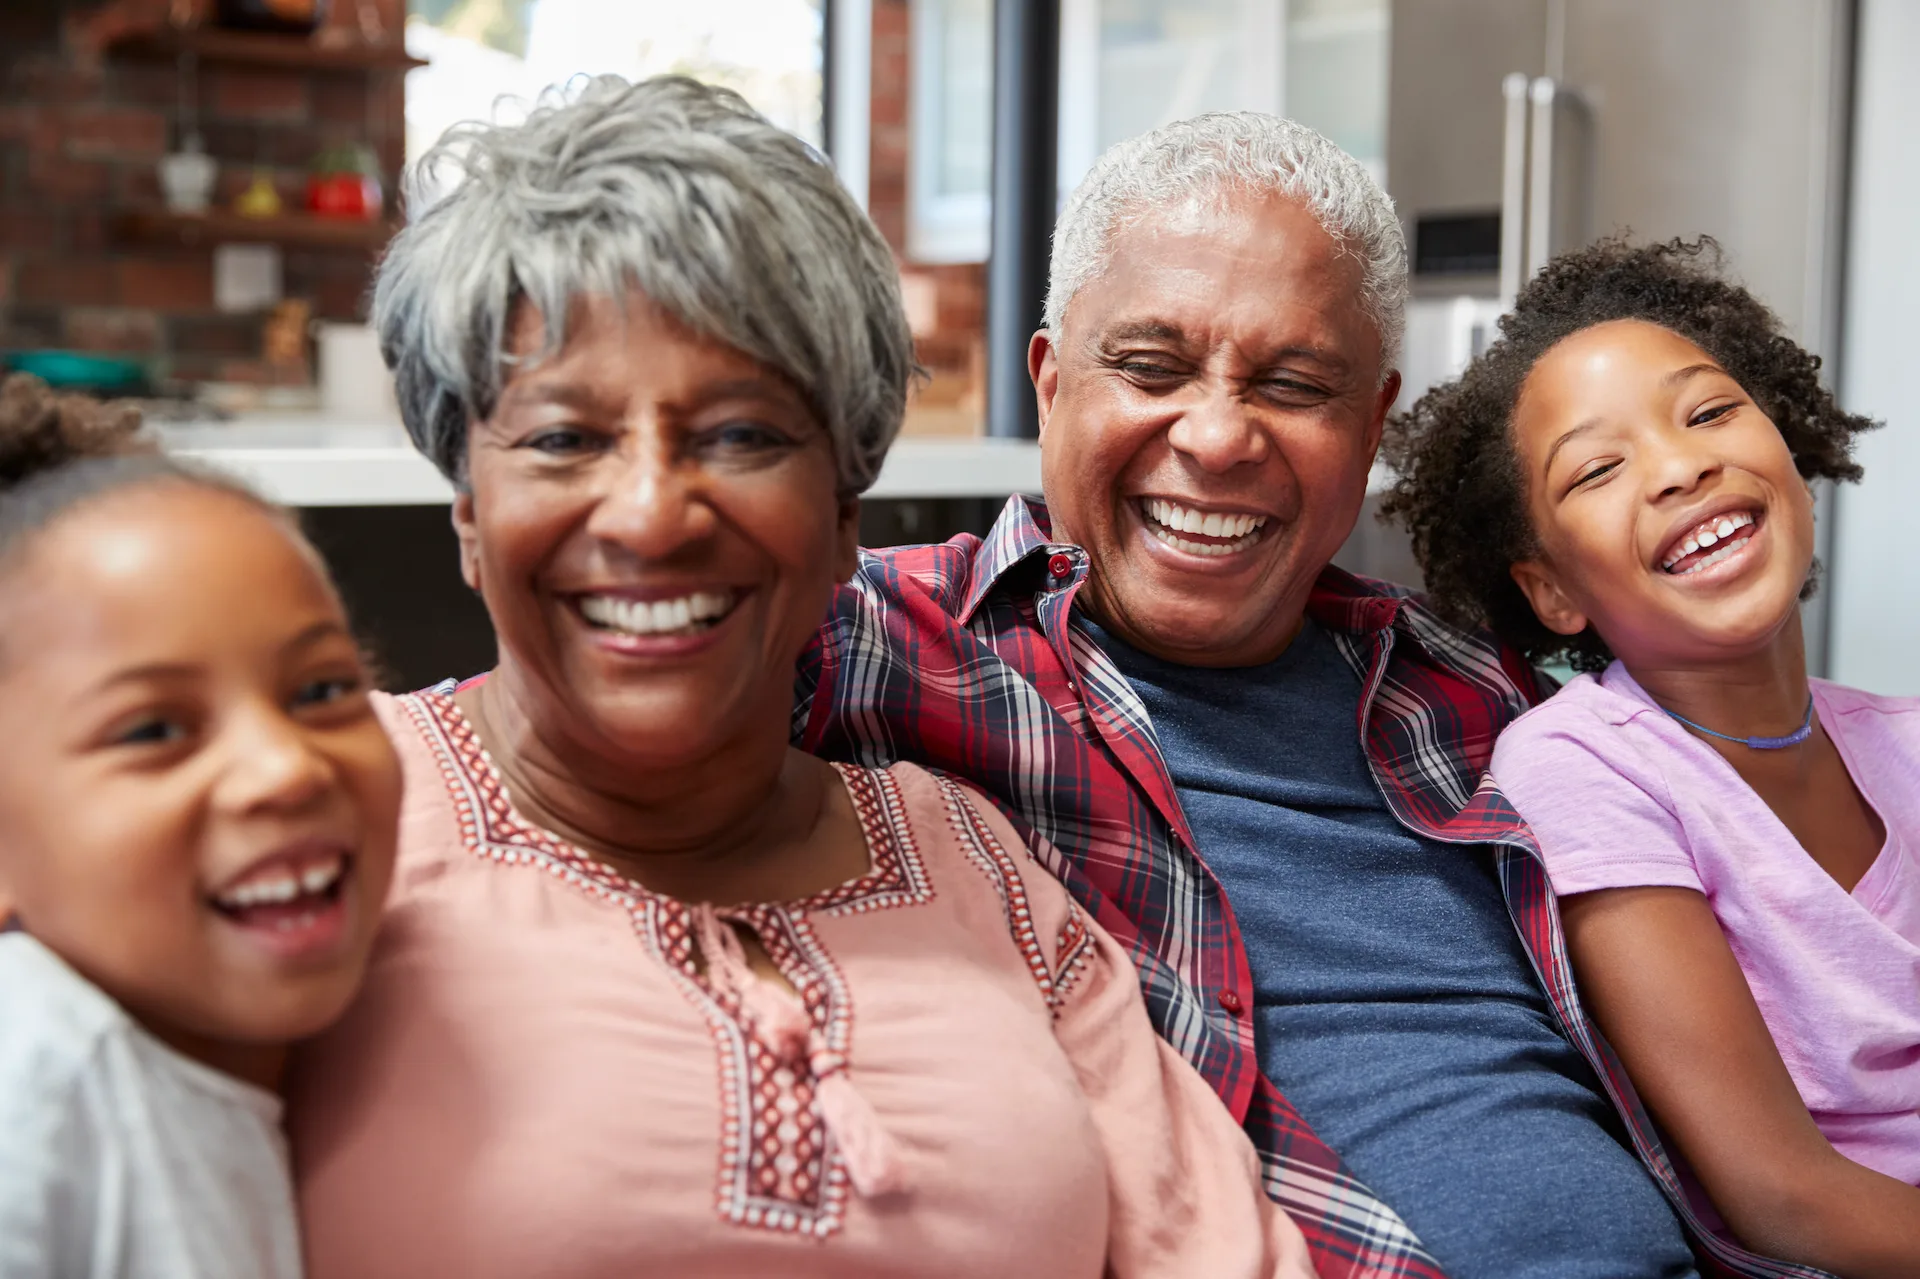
[(1061, 565), (1230, 1001)]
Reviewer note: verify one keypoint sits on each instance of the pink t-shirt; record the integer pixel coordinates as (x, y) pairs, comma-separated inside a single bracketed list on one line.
[(1619, 795)]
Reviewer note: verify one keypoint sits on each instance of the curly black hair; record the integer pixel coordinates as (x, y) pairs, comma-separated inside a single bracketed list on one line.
[(1460, 491)]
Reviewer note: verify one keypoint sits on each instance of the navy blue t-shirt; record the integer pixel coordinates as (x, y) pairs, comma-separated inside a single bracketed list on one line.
[(1394, 1005)]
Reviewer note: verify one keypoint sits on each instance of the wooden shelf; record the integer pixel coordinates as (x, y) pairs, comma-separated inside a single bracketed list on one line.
[(300, 230), (261, 49)]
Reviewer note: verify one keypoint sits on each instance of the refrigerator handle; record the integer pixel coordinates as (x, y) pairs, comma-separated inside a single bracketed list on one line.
[(1513, 190), (1540, 174)]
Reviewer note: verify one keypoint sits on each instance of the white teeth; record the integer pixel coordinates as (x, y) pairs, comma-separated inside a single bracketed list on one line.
[(1704, 537), (1201, 548), (318, 879), (657, 617), (1715, 558), (1174, 518), (278, 889)]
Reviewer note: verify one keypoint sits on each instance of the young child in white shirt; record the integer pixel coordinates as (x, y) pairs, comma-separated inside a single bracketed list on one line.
[(197, 824)]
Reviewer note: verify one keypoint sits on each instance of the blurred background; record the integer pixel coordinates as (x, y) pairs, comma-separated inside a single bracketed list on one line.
[(193, 193)]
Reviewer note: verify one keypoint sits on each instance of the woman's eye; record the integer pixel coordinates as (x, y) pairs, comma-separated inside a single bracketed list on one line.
[(1712, 414), (560, 441), (744, 437)]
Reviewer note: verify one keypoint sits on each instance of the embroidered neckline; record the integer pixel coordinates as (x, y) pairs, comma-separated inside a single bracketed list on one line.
[(779, 1167), (491, 826)]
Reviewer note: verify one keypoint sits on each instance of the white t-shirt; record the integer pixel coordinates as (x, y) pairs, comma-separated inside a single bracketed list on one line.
[(120, 1158)]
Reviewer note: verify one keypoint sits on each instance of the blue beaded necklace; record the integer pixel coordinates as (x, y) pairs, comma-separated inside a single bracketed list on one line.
[(1794, 738)]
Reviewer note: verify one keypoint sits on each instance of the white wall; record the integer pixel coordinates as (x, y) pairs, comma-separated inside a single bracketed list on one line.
[(1875, 574)]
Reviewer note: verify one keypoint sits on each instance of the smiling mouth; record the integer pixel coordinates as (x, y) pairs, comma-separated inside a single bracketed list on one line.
[(1709, 542), (1198, 532), (688, 614), (284, 895)]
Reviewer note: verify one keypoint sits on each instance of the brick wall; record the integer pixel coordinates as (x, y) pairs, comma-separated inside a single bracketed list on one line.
[(946, 303), (79, 142)]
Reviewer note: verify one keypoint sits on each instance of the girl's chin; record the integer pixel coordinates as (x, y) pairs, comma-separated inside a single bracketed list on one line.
[(1691, 638)]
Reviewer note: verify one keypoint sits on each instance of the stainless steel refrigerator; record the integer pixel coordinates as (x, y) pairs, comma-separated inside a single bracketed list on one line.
[(1520, 128)]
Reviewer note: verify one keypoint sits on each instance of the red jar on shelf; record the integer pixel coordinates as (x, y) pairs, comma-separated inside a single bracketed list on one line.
[(343, 183)]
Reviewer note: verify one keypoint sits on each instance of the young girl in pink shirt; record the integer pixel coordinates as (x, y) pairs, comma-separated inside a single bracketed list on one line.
[(1623, 481)]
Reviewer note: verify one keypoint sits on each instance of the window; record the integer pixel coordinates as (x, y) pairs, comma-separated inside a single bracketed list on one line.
[(1127, 66), (480, 50)]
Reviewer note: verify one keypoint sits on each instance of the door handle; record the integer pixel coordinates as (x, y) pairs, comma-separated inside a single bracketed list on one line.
[(1513, 190), (1544, 94)]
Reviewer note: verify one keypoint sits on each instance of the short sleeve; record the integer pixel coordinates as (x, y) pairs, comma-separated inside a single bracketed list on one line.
[(1184, 1181), (1599, 809)]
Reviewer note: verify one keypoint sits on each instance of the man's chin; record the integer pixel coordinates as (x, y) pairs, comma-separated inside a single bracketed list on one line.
[(1195, 636)]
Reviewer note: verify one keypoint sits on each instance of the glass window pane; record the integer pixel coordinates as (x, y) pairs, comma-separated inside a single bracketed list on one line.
[(1337, 73), (965, 130), (1163, 60), (479, 50)]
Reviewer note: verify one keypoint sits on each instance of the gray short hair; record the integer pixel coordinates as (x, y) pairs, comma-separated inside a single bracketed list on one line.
[(679, 189), (1235, 151)]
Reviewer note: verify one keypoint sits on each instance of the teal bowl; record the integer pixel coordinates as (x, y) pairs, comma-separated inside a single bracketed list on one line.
[(78, 371)]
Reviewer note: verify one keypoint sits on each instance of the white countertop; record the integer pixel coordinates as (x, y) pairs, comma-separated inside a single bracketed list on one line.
[(307, 459)]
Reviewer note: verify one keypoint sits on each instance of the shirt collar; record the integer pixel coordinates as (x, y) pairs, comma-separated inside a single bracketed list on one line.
[(1021, 532)]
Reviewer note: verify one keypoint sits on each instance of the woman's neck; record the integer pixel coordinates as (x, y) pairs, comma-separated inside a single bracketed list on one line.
[(700, 829), (1759, 694)]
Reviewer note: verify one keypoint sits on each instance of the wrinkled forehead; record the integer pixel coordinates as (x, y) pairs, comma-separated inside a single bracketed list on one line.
[(1257, 273)]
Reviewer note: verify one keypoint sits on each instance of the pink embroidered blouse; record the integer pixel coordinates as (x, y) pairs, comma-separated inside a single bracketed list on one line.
[(539, 1079)]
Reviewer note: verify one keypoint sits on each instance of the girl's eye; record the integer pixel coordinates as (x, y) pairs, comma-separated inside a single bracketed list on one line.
[(1712, 414), (155, 731), (320, 692), (1593, 473)]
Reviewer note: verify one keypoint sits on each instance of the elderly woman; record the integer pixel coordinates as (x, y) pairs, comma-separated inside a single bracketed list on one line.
[(658, 994)]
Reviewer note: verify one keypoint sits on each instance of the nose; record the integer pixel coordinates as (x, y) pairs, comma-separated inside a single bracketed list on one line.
[(653, 505), (1217, 430), (273, 765), (1681, 461)]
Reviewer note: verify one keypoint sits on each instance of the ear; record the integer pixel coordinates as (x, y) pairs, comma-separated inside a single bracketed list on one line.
[(1382, 404), (1551, 604), (1043, 366), (846, 547), (468, 532)]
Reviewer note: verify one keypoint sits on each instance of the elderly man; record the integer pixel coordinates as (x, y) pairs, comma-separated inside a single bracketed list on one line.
[(1257, 770)]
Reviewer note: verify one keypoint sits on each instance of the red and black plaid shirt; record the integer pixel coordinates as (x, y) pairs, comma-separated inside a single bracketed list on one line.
[(964, 657)]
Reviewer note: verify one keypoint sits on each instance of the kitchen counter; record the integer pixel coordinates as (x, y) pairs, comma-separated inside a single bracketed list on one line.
[(306, 459), (309, 460)]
